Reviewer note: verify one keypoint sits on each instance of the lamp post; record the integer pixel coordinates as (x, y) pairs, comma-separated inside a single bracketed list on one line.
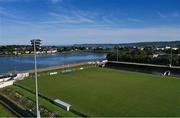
[(171, 57), (36, 43)]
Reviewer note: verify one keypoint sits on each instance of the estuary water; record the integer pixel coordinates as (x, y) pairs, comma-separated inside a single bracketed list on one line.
[(22, 63)]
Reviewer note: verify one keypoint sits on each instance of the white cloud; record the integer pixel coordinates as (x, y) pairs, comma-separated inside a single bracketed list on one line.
[(58, 35), (175, 14), (8, 0), (53, 1), (111, 20), (169, 15), (56, 1), (73, 18), (15, 1), (6, 13), (120, 35), (135, 20), (162, 15)]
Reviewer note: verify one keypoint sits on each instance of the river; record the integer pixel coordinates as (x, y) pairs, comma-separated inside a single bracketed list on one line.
[(22, 63)]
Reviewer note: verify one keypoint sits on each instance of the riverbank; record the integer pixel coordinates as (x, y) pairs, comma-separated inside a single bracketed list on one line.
[(37, 54), (57, 67), (65, 52)]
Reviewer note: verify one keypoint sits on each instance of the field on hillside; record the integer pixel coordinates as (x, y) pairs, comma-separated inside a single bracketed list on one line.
[(108, 92)]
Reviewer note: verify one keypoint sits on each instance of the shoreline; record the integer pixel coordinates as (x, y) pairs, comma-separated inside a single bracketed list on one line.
[(57, 67), (66, 52)]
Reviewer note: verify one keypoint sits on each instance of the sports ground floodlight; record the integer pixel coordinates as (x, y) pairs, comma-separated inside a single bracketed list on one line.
[(36, 43)]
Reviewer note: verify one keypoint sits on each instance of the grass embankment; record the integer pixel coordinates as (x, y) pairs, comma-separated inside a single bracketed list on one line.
[(108, 92), (43, 102), (4, 112)]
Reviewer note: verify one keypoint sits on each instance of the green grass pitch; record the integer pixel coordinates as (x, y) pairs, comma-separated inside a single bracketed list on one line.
[(108, 92)]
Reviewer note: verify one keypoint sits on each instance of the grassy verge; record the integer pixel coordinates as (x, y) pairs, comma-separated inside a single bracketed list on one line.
[(4, 112), (44, 102)]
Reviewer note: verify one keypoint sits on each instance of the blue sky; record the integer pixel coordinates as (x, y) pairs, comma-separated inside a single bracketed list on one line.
[(64, 22)]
